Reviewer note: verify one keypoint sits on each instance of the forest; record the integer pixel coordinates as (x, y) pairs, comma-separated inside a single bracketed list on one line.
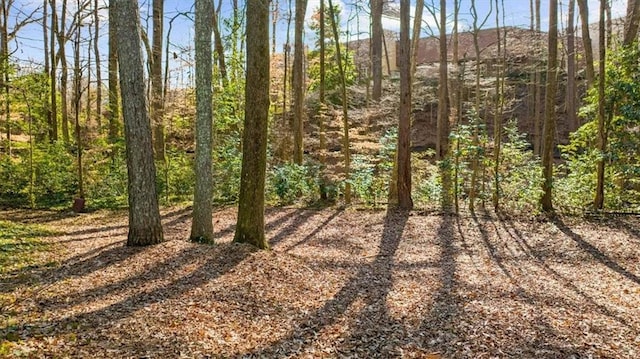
[(319, 178)]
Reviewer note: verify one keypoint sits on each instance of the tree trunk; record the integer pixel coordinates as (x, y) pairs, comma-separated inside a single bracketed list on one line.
[(415, 38), (250, 225), (598, 202), (114, 105), (632, 22), (64, 74), (157, 103), (144, 217), (572, 115), (586, 41), (219, 48), (201, 225), (405, 201), (376, 48), (77, 97), (550, 108), (298, 82), (96, 52), (443, 92), (47, 58), (53, 120), (4, 69), (346, 146)]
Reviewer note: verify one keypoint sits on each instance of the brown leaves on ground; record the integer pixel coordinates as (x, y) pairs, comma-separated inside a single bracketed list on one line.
[(336, 284)]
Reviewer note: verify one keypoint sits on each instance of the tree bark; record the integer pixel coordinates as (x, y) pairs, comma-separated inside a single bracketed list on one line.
[(250, 224), (53, 120), (376, 48), (586, 42), (96, 52), (298, 82), (632, 23), (201, 225), (572, 117), (145, 227), (598, 202), (550, 109), (157, 102), (405, 201), (114, 105)]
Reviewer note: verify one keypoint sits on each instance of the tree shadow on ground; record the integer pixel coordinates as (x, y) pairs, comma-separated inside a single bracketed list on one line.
[(595, 252), (210, 269), (359, 287)]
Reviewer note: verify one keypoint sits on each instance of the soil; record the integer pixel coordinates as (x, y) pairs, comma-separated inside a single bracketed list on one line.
[(337, 283)]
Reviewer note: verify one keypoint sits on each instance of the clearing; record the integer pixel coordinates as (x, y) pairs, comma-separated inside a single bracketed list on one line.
[(337, 283)]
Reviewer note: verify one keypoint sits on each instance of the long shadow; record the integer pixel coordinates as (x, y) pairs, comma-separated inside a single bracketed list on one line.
[(99, 318), (302, 217), (632, 229), (595, 252), (371, 284), (491, 248), (35, 217), (313, 233), (524, 245)]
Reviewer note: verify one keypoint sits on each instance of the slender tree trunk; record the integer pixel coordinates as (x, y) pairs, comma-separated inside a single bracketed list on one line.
[(157, 102), (550, 108), (443, 92), (537, 100), (96, 52), (405, 201), (201, 225), (250, 224), (219, 48), (47, 58), (345, 105), (497, 119), (571, 106), (602, 130), (144, 217), (298, 82), (53, 119), (77, 97), (415, 39), (4, 69), (586, 42), (114, 105), (376, 48), (64, 74)]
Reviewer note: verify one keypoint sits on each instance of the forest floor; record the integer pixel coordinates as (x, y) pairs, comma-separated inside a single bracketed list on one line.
[(337, 283)]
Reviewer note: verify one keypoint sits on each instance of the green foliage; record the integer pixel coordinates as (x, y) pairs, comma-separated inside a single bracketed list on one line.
[(370, 177), (332, 71), (291, 182), (576, 188)]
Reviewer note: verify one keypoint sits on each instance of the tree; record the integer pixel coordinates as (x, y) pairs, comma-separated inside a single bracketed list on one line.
[(345, 113), (96, 51), (586, 41), (404, 122), (114, 105), (201, 226), (571, 105), (550, 108), (443, 92), (250, 223), (298, 81), (145, 227), (633, 22), (157, 103), (598, 202), (376, 48)]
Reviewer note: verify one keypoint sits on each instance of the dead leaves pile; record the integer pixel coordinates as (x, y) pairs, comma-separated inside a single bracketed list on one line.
[(336, 284)]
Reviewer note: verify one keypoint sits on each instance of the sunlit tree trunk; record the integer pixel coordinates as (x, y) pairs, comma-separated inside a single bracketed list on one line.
[(572, 116), (64, 71), (632, 22), (346, 150), (586, 42), (250, 224), (96, 52), (404, 122), (157, 102), (550, 108), (376, 48), (602, 128), (201, 225), (114, 103), (145, 227), (298, 82)]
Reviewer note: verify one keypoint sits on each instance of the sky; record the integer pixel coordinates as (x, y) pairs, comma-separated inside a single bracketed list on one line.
[(28, 46)]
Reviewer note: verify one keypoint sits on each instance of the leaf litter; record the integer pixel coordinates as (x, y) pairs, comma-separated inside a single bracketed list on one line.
[(337, 283)]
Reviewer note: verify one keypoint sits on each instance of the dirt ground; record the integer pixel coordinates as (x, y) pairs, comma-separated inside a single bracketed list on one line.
[(337, 283)]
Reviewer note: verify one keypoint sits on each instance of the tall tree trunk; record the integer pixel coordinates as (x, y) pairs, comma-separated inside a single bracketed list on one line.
[(47, 60), (572, 117), (586, 41), (346, 146), (114, 105), (219, 48), (157, 102), (405, 201), (250, 224), (598, 202), (499, 106), (96, 52), (53, 120), (443, 91), (4, 68), (415, 38), (145, 227), (550, 108), (77, 97), (323, 107), (376, 48), (632, 22), (201, 225), (298, 82), (64, 73), (537, 92)]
